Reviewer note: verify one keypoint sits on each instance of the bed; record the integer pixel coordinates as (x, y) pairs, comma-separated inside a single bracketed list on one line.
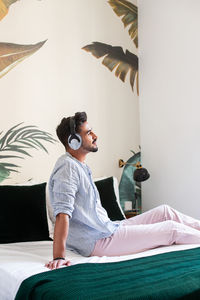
[(20, 261), (163, 273)]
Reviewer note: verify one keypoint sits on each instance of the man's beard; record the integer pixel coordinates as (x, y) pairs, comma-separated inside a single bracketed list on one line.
[(90, 148), (94, 149)]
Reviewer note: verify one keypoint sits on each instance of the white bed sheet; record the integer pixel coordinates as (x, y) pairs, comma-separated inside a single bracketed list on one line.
[(19, 261)]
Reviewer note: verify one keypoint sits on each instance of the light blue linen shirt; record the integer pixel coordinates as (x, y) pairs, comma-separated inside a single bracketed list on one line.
[(73, 192)]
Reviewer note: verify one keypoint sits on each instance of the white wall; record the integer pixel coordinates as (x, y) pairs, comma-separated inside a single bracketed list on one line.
[(61, 78), (169, 43)]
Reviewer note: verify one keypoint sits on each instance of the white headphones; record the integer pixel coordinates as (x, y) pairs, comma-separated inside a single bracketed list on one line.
[(74, 140)]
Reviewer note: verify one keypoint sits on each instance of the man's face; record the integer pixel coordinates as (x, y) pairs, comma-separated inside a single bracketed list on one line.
[(88, 138)]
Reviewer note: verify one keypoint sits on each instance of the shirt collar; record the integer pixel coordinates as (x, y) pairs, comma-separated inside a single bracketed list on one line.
[(71, 156)]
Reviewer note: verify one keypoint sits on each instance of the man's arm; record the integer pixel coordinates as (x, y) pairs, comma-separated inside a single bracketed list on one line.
[(59, 242)]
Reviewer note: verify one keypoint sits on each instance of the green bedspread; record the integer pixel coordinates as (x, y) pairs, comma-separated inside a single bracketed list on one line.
[(174, 275)]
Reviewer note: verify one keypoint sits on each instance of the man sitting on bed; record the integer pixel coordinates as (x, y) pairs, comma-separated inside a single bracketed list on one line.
[(82, 224)]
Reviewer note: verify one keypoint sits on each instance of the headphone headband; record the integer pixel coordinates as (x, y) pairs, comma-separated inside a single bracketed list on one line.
[(72, 125)]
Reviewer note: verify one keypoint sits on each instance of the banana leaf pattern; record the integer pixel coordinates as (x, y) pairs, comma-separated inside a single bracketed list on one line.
[(12, 54), (16, 143), (114, 57), (4, 7), (130, 16)]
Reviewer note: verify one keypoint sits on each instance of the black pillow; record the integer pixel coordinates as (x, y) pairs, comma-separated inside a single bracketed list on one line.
[(108, 198), (23, 215)]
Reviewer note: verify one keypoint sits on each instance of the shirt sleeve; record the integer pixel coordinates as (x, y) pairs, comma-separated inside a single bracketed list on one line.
[(65, 184)]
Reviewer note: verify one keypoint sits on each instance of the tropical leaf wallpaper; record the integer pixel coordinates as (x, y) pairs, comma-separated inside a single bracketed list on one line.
[(16, 143), (12, 54), (4, 7), (114, 56), (129, 12), (45, 75)]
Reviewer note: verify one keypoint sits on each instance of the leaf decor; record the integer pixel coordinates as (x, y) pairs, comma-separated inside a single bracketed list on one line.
[(4, 173), (4, 6), (129, 190), (19, 140), (130, 16), (12, 54), (115, 58)]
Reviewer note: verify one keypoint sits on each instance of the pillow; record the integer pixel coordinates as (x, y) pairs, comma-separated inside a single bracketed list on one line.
[(23, 216), (108, 198), (50, 217)]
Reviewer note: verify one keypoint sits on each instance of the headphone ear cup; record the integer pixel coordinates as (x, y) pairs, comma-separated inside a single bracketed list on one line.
[(74, 141)]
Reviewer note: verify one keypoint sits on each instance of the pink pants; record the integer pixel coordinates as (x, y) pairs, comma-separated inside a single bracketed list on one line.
[(161, 226)]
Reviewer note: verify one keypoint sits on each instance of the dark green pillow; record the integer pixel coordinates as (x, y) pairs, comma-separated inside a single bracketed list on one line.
[(23, 216), (109, 199)]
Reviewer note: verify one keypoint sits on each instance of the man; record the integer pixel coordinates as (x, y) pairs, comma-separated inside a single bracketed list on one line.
[(82, 224), (80, 218)]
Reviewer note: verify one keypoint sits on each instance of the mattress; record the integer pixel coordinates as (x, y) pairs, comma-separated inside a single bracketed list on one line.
[(19, 261)]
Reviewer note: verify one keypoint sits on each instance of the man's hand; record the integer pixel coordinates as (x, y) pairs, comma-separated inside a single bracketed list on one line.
[(55, 264)]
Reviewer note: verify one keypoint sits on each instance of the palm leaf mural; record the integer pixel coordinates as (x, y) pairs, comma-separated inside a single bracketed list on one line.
[(130, 16), (19, 140), (115, 58), (4, 6), (12, 54)]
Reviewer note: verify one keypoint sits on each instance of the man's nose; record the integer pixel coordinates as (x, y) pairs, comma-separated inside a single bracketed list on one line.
[(94, 136)]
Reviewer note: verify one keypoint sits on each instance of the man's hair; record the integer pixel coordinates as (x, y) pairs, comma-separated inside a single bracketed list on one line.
[(63, 129)]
